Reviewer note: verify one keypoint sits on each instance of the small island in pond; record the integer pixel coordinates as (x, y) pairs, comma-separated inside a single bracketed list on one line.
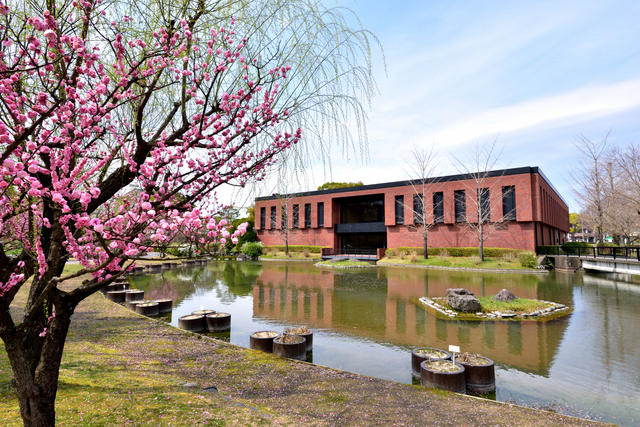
[(460, 304)]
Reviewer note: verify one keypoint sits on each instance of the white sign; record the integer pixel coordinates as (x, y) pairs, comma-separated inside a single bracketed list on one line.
[(454, 349)]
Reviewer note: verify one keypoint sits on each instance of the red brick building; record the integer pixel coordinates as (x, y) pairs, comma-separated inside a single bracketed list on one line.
[(529, 211)]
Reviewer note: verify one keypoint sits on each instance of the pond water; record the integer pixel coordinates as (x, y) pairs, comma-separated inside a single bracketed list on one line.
[(367, 321)]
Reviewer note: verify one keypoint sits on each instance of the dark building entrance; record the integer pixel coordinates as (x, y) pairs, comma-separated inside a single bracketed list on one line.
[(361, 225), (368, 241)]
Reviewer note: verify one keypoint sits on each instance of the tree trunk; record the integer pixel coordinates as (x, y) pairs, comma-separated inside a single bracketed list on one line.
[(424, 247), (286, 243), (35, 363), (481, 242)]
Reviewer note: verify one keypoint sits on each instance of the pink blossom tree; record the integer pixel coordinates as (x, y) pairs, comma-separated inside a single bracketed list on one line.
[(88, 115)]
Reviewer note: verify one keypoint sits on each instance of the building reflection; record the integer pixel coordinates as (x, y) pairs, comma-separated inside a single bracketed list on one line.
[(382, 304)]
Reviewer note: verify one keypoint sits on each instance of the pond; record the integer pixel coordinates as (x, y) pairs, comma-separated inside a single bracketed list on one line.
[(367, 321)]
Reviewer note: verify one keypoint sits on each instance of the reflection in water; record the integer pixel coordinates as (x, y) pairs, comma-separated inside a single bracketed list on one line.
[(587, 362), (380, 304)]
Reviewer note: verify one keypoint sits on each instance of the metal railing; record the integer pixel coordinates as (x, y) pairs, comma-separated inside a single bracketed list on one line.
[(593, 252)]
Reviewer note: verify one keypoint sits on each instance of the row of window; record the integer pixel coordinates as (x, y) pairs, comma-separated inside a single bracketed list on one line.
[(372, 209), (296, 215), (460, 206)]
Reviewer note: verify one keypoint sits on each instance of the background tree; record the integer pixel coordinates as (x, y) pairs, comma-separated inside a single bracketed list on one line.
[(592, 182), (483, 191), (628, 161), (96, 102), (420, 167), (332, 185), (575, 224)]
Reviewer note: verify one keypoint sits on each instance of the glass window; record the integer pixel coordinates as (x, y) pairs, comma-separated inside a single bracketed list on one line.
[(321, 214), (362, 209), (418, 209), (283, 217), (377, 211), (307, 215), (399, 209), (263, 217), (484, 203), (438, 207), (296, 209), (461, 205), (273, 217), (509, 203)]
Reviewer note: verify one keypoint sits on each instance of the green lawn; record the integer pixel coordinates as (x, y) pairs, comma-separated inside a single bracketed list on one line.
[(458, 262)]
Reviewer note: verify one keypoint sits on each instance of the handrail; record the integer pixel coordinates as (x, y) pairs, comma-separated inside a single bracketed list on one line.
[(614, 252)]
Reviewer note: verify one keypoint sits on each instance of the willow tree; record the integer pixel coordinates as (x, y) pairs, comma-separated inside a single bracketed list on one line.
[(118, 124), (330, 86)]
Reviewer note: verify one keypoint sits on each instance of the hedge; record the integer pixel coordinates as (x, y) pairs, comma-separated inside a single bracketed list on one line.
[(298, 248), (577, 245), (463, 252)]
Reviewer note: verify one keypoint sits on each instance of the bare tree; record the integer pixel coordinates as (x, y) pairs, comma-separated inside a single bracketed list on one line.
[(286, 227), (628, 160), (422, 164), (592, 183), (288, 181), (484, 191)]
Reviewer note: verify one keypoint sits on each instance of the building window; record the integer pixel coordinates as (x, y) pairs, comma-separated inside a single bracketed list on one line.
[(461, 205), (273, 217), (418, 209), (263, 218), (296, 209), (438, 207), (362, 209), (283, 218), (307, 215), (509, 202), (484, 205), (320, 214), (399, 209)]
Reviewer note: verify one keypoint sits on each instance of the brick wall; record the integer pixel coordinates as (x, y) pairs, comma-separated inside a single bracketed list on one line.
[(541, 215)]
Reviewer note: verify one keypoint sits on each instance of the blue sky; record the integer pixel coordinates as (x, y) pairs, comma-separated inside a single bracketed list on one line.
[(533, 73)]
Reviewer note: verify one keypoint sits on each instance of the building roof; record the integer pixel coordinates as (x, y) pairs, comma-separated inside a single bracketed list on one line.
[(448, 178)]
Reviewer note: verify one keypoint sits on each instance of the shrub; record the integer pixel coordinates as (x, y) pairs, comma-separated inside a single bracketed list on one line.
[(549, 250), (252, 249), (577, 245), (298, 248), (402, 254), (306, 253), (509, 256), (413, 256), (444, 253), (475, 259), (464, 252), (571, 247), (178, 251), (390, 253), (528, 259)]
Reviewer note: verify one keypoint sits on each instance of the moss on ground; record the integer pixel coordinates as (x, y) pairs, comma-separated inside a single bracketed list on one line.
[(122, 369)]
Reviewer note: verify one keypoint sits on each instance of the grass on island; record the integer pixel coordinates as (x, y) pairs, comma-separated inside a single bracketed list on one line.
[(457, 262), (346, 263), (518, 305), (488, 304)]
